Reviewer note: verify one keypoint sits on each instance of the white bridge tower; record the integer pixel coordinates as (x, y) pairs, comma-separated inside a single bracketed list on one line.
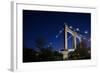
[(75, 35)]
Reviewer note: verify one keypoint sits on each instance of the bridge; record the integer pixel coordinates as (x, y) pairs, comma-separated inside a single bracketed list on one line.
[(74, 36)]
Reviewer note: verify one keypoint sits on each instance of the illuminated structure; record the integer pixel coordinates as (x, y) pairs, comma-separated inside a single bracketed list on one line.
[(75, 35)]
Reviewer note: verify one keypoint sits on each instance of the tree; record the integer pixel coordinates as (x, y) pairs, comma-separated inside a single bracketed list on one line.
[(46, 54), (27, 55), (40, 42), (81, 52)]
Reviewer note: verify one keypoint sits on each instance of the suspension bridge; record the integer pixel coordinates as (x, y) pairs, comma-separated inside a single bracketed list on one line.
[(75, 35)]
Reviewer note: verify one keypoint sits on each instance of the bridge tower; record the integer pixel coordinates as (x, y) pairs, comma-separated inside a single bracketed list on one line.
[(75, 35), (65, 51)]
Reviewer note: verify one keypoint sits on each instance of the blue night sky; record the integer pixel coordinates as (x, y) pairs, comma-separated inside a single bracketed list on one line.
[(47, 24)]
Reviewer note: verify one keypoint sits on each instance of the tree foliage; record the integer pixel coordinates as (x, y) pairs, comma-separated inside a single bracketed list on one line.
[(82, 52), (43, 53)]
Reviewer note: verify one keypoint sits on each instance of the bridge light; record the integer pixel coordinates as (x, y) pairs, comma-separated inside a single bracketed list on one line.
[(86, 32), (60, 31), (70, 27), (77, 29), (56, 36)]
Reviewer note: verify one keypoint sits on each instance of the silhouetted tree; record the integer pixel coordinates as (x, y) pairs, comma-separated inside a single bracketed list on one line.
[(40, 43), (27, 55), (41, 52), (81, 52), (58, 56)]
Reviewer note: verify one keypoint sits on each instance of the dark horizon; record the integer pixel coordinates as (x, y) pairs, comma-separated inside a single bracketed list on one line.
[(47, 24)]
